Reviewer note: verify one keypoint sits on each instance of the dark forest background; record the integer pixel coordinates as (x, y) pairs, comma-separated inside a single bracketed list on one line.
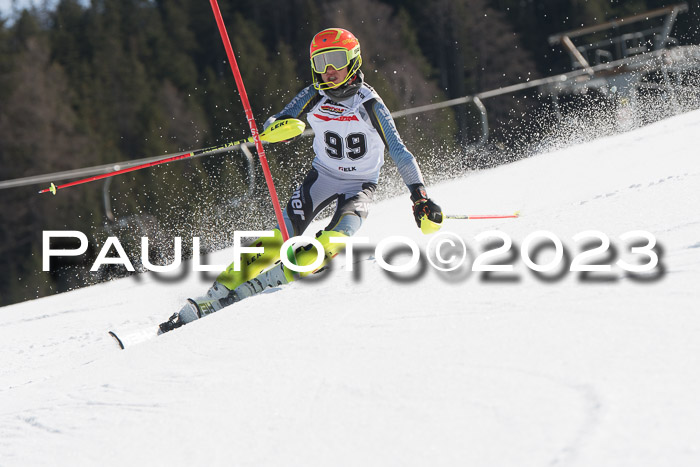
[(116, 80)]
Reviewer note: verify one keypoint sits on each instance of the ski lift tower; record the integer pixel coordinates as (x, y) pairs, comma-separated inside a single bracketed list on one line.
[(623, 60)]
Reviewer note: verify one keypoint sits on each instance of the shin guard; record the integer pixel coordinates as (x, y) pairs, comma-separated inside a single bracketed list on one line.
[(306, 255), (252, 264)]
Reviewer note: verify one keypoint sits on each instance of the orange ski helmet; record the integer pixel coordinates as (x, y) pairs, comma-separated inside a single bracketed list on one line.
[(337, 48)]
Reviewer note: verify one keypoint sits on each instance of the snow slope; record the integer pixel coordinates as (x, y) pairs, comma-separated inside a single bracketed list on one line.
[(368, 368)]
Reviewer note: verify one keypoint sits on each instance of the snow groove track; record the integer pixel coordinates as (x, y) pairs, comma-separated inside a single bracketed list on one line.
[(364, 369)]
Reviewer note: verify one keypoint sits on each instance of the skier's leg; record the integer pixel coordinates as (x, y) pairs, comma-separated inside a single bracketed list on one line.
[(307, 201), (353, 208), (252, 264), (280, 275), (220, 294), (346, 221)]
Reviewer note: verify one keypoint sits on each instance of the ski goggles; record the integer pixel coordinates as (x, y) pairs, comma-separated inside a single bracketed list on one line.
[(338, 59)]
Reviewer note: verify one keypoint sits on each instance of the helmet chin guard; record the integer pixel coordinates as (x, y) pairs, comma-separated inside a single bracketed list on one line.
[(348, 89)]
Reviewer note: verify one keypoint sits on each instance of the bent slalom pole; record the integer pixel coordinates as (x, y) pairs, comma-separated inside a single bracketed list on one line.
[(281, 130), (249, 115), (485, 216)]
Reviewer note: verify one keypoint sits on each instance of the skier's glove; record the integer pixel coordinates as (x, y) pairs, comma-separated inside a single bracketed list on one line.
[(272, 120), (428, 215)]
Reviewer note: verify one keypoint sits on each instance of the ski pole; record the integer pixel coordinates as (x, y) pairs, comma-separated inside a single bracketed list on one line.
[(482, 216), (279, 131), (249, 115)]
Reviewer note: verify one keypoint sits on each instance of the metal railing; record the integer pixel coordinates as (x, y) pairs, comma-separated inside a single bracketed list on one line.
[(574, 78), (621, 45)]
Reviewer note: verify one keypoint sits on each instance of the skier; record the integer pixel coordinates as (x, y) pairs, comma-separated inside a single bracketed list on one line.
[(352, 127)]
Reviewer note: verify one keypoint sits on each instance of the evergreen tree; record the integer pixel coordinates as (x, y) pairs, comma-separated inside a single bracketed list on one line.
[(39, 132), (115, 80)]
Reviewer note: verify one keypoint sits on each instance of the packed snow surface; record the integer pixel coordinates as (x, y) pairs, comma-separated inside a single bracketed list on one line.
[(419, 368)]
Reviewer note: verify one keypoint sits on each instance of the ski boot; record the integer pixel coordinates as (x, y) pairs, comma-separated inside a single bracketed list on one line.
[(172, 323), (238, 286)]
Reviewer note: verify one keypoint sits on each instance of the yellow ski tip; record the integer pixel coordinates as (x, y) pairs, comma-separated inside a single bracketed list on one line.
[(516, 213)]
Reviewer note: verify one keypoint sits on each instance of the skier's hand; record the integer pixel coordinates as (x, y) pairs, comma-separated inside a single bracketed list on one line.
[(428, 215), (272, 120), (268, 122)]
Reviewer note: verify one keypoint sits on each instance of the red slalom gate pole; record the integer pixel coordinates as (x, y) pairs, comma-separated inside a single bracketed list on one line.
[(198, 152), (249, 116), (53, 187)]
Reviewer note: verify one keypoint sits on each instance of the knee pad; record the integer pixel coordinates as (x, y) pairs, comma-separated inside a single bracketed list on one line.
[(306, 255), (253, 264)]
